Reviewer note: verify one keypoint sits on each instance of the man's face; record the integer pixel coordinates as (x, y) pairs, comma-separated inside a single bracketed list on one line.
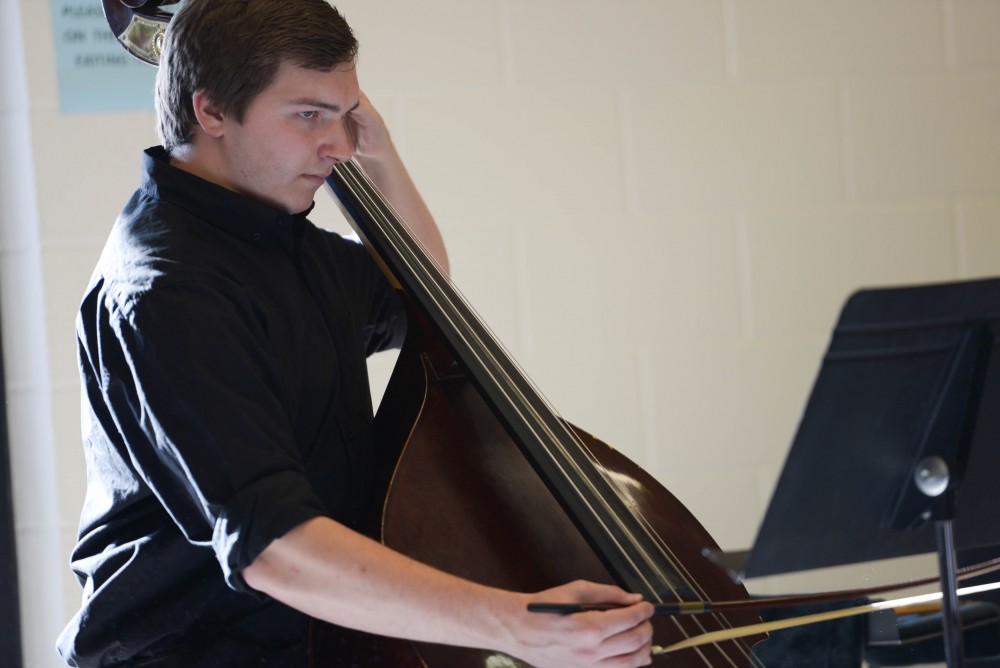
[(292, 135)]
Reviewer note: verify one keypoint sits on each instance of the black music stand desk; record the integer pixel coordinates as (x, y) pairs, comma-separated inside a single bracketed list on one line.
[(898, 450)]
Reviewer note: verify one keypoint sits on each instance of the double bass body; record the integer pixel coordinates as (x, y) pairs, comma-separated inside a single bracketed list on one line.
[(465, 499)]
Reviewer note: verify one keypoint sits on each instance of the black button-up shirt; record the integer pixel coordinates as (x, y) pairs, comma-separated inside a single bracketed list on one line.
[(222, 348)]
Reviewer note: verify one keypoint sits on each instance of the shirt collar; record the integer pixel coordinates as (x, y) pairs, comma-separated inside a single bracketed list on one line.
[(237, 214)]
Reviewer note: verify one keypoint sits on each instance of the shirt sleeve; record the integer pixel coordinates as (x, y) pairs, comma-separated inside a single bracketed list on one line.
[(195, 394), (375, 300)]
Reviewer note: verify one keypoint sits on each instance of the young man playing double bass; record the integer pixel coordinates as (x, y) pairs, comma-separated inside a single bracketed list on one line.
[(227, 418)]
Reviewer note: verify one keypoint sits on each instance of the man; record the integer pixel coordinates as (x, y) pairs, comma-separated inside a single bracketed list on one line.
[(227, 418)]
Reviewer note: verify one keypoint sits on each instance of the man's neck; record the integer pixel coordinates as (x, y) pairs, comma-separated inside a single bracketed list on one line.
[(198, 160)]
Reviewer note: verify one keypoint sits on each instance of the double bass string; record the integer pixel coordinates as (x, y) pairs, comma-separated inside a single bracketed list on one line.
[(499, 367), (374, 204), (587, 479)]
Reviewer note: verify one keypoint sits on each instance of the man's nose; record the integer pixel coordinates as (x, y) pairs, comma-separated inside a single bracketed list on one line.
[(337, 144)]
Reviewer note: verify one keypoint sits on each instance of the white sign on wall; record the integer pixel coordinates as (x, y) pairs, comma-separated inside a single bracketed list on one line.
[(96, 74)]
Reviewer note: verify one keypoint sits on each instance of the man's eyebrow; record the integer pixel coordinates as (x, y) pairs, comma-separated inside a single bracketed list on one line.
[(309, 102)]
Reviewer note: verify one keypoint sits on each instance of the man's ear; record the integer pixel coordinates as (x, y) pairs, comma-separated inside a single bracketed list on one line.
[(210, 118)]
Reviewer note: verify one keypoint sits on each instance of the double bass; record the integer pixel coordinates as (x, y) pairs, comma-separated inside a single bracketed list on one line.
[(480, 476)]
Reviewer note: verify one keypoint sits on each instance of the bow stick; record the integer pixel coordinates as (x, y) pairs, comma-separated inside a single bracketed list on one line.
[(741, 631), (702, 607)]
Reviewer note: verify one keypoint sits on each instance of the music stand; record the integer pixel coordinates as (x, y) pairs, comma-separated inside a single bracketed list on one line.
[(898, 450)]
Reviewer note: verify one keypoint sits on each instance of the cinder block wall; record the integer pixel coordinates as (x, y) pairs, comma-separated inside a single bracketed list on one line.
[(659, 206)]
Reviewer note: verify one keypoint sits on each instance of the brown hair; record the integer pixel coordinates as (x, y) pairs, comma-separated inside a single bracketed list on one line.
[(231, 49)]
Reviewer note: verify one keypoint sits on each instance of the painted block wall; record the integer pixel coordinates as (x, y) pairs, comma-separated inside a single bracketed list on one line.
[(659, 206)]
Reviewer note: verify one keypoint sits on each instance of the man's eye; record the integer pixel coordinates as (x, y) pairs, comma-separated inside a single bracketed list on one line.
[(308, 114)]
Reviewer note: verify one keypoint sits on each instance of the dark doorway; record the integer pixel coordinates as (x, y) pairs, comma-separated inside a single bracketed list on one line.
[(10, 621)]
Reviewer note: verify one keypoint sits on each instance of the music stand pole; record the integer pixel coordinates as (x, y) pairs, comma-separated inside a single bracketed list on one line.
[(954, 651), (932, 478)]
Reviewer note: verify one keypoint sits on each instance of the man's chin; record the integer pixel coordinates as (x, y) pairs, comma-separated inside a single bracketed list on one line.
[(301, 203)]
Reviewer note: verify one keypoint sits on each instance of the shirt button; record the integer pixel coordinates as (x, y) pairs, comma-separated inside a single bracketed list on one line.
[(256, 236)]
